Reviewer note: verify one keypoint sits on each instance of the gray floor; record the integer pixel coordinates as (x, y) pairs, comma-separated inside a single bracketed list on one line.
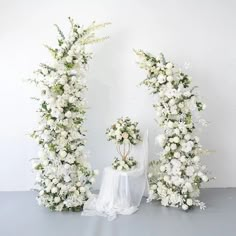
[(20, 215)]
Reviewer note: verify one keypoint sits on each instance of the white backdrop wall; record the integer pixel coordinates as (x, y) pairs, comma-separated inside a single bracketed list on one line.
[(201, 33)]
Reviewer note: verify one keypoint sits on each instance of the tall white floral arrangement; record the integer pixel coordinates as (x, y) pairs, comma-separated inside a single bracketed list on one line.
[(176, 177), (64, 176)]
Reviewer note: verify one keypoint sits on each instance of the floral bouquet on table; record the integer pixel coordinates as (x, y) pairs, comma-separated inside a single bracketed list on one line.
[(125, 134)]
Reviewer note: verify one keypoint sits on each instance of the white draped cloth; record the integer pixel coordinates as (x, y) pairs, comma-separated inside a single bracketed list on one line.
[(121, 191)]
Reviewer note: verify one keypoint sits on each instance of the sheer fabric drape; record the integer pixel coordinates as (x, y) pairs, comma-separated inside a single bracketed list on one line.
[(121, 191)]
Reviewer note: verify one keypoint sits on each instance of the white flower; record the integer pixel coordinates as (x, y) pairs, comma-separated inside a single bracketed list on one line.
[(45, 71), (162, 168), (205, 178), (170, 124), (166, 178), (54, 190), (176, 139), (69, 59), (196, 159), (96, 172), (82, 189), (64, 133), (161, 79), (167, 148), (187, 136), (154, 186), (189, 171), (169, 65), (165, 201), (173, 146), (55, 181), (185, 207), (150, 175), (63, 154), (68, 114), (161, 139), (119, 168), (151, 192), (189, 202), (177, 154), (125, 135), (67, 178)]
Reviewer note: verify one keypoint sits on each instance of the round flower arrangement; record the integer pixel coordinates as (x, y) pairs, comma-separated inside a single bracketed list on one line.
[(125, 134), (127, 164)]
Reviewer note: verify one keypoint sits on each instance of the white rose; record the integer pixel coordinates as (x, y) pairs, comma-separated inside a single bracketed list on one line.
[(68, 114), (169, 65), (63, 154), (187, 136), (161, 79), (168, 72), (187, 94), (54, 190), (170, 78), (167, 148), (48, 189), (189, 202), (185, 207), (72, 189), (166, 178), (63, 133), (55, 181), (154, 186), (177, 131), (170, 124), (72, 99), (173, 146), (57, 199), (125, 135), (82, 189), (69, 59), (176, 139), (67, 166), (177, 155), (181, 105)]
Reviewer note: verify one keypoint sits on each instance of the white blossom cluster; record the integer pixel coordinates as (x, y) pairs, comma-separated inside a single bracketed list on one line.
[(64, 176), (124, 131), (128, 164), (176, 178)]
